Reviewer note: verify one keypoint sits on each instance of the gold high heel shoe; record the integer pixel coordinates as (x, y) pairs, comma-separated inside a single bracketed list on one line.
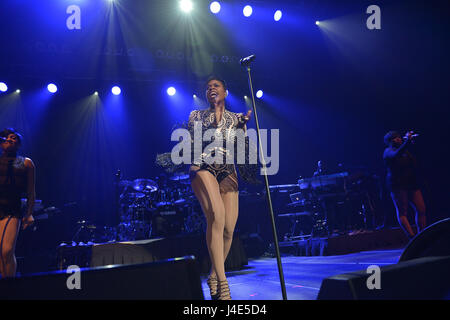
[(223, 292), (212, 284)]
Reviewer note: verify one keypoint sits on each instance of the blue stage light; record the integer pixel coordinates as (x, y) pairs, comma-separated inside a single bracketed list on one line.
[(3, 87), (277, 16), (259, 94), (247, 11), (214, 7), (171, 91), (52, 88), (116, 90)]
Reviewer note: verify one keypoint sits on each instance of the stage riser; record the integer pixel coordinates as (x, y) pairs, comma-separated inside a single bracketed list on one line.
[(370, 240), (135, 252)]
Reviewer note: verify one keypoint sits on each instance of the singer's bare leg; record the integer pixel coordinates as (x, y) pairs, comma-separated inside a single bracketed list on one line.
[(8, 258), (400, 199), (207, 191), (418, 204), (231, 203)]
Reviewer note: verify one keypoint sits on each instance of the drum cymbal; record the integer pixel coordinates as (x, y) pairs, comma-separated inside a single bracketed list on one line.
[(180, 202), (179, 176), (144, 185)]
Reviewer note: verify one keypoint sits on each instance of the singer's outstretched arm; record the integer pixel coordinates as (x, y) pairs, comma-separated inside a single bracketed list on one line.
[(391, 152)]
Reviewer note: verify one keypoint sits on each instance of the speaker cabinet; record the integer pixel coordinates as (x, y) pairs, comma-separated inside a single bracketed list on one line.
[(173, 279), (422, 278), (432, 241)]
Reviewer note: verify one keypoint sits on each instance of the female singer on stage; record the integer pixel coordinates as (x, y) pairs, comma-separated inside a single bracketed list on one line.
[(216, 185), (17, 176), (402, 180)]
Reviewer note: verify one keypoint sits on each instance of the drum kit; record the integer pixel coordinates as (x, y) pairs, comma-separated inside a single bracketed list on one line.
[(161, 207)]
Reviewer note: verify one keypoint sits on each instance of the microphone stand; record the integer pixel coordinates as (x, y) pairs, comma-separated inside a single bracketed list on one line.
[(118, 176), (266, 180)]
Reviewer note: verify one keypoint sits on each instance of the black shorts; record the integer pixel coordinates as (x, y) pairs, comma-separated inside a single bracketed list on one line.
[(225, 175), (8, 209)]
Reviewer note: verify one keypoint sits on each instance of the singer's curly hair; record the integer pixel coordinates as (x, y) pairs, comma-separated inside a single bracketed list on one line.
[(216, 77), (7, 131), (388, 137)]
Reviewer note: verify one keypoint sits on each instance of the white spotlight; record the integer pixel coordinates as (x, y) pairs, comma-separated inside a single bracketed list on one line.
[(18, 91), (259, 94), (317, 22), (186, 6), (3, 87), (171, 91), (247, 11), (52, 88), (277, 16), (116, 90), (214, 7)]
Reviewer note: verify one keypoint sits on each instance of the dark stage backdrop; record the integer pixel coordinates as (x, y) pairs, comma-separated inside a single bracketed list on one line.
[(333, 90)]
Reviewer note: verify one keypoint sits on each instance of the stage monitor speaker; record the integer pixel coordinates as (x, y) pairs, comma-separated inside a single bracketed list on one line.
[(425, 278), (432, 241), (172, 279)]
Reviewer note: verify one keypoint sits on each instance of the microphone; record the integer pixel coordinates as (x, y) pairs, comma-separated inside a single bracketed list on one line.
[(415, 135), (247, 60)]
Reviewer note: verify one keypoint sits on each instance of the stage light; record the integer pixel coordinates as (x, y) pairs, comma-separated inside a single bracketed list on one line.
[(171, 91), (3, 87), (277, 16), (116, 90), (259, 94), (186, 6), (247, 11), (96, 93), (317, 22), (245, 97), (18, 91), (194, 96), (214, 7), (52, 88)]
